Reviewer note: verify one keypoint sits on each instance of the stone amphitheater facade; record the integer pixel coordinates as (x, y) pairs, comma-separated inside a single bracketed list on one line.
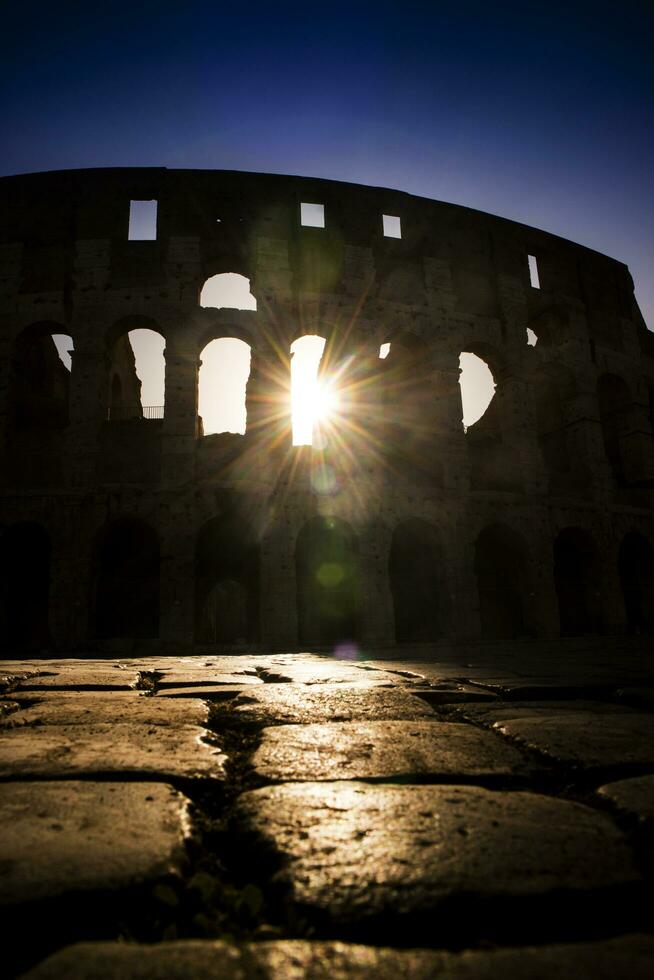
[(129, 533)]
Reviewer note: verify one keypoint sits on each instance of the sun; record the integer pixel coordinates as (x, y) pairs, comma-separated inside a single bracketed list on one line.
[(314, 400), (325, 402), (314, 405)]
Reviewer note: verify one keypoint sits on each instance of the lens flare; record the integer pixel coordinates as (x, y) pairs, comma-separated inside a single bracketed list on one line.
[(330, 574)]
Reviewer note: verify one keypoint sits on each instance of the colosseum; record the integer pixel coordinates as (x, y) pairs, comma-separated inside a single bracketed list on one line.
[(128, 526)]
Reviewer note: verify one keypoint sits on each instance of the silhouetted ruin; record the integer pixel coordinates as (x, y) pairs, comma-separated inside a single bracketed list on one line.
[(123, 527)]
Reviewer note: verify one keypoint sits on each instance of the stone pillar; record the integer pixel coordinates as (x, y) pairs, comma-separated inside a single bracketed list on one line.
[(637, 441), (180, 427), (586, 442), (519, 432), (449, 435), (268, 405), (89, 399)]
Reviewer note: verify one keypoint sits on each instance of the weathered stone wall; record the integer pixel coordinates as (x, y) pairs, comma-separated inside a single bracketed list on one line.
[(456, 281)]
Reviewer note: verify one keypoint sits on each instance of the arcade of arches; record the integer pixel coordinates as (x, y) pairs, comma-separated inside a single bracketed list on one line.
[(125, 597), (154, 402)]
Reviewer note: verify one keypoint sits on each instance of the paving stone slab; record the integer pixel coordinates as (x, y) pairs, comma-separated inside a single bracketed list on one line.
[(354, 851), (90, 707), (303, 960), (112, 676), (227, 664), (202, 676), (384, 749), (629, 956), (146, 751), (208, 692), (435, 671), (301, 704), (585, 740), (499, 711), (334, 672), (632, 797), (78, 836)]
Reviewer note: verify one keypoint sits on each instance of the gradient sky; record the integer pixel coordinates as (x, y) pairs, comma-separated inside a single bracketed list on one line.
[(539, 112)]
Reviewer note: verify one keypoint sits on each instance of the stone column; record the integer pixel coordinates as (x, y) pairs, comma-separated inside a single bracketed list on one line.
[(586, 442), (180, 427), (89, 399), (268, 405), (449, 436), (637, 440), (519, 432)]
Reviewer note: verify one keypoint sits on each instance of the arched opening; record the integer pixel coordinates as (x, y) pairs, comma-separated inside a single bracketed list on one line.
[(127, 581), (614, 401), (227, 556), (576, 580), (328, 582), (309, 404), (477, 387), (501, 568), (222, 384), (483, 405), (555, 392), (636, 568), (137, 371), (416, 578), (228, 289), (38, 404), (24, 588), (40, 378)]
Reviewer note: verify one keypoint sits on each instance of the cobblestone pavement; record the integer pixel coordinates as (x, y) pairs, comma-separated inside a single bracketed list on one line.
[(486, 815)]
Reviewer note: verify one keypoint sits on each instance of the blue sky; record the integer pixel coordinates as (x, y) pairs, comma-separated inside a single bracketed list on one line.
[(539, 112)]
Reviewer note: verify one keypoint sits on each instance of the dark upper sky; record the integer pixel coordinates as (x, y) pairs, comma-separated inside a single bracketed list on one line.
[(539, 112)]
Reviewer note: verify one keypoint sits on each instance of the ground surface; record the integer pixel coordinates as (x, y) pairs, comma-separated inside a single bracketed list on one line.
[(483, 815)]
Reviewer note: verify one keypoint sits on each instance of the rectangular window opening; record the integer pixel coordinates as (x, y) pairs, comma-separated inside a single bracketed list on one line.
[(392, 226), (533, 272), (312, 215), (142, 221)]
